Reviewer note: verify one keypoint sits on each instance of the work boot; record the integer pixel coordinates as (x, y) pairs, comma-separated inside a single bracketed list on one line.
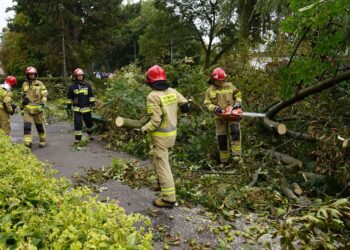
[(222, 165), (75, 143), (236, 159), (42, 144), (162, 203), (29, 145)]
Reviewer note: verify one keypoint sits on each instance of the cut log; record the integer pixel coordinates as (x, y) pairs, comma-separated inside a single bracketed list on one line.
[(286, 159), (299, 135), (313, 177), (297, 189), (289, 193), (276, 127), (293, 166), (128, 123)]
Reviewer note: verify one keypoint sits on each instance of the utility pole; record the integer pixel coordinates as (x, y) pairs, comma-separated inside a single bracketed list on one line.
[(61, 7)]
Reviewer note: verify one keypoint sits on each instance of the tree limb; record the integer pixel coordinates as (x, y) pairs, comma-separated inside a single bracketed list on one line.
[(318, 87), (255, 178)]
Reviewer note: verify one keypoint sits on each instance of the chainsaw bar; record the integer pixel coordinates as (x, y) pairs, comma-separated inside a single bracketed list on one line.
[(253, 114)]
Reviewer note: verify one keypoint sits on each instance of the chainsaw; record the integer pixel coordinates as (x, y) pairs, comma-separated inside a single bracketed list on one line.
[(237, 114)]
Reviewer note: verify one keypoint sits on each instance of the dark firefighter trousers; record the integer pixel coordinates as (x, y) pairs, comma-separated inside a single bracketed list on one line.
[(78, 124)]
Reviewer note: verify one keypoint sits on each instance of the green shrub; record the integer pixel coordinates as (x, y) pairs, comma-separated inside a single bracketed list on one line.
[(323, 226), (40, 211)]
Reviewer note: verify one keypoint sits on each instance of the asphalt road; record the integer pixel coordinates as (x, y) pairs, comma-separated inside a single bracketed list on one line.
[(183, 222)]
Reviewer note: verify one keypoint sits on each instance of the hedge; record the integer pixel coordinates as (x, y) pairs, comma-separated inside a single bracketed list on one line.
[(38, 211)]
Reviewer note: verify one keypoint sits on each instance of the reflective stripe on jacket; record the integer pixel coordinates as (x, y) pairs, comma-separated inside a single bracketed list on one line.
[(81, 97), (6, 100), (163, 107), (36, 92)]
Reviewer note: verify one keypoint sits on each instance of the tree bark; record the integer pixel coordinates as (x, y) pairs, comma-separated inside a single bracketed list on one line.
[(297, 189), (286, 159), (63, 44), (289, 193), (273, 126), (128, 123), (299, 135)]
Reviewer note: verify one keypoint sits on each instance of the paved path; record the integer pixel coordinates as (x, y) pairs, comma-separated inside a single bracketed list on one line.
[(186, 223)]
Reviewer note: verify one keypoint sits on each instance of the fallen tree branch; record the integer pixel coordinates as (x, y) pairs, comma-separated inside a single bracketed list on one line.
[(318, 87), (286, 159), (255, 178), (299, 135), (289, 193), (313, 177), (291, 140), (292, 166), (215, 172)]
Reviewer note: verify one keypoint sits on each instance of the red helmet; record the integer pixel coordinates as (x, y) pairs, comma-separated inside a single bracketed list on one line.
[(155, 73), (78, 72), (218, 74), (31, 70), (11, 80)]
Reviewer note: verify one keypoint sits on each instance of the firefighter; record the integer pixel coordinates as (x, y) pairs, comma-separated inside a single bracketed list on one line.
[(80, 100), (34, 98), (162, 106), (7, 107), (218, 96)]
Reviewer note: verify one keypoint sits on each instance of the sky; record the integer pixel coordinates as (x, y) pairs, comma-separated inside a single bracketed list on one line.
[(4, 4)]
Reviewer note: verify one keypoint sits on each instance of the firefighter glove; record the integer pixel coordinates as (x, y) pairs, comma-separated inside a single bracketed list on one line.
[(14, 106), (41, 107), (237, 105), (218, 110), (25, 101), (144, 130)]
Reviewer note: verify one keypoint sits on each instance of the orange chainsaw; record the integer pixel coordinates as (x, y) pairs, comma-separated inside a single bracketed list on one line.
[(229, 113)]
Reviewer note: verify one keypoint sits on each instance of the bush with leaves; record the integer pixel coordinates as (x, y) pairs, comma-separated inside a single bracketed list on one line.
[(324, 226), (39, 211), (126, 96)]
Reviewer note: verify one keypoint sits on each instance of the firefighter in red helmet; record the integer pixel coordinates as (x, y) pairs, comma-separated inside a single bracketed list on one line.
[(80, 100), (218, 96), (162, 106), (34, 98), (7, 107)]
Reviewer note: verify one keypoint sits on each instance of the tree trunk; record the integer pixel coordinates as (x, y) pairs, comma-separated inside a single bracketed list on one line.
[(318, 87), (63, 44)]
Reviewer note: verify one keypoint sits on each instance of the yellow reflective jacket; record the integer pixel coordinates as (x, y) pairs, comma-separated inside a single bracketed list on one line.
[(162, 106), (36, 92), (221, 96), (6, 100)]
